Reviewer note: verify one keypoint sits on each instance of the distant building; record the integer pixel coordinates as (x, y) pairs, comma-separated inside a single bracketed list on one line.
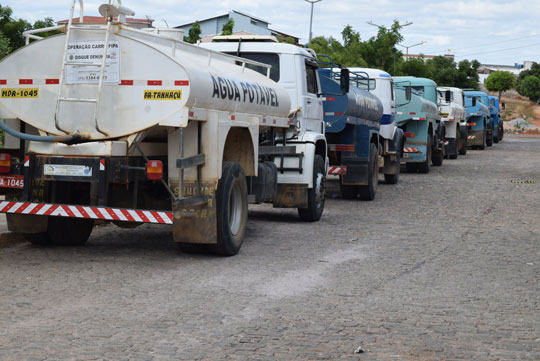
[(423, 56), (485, 69), (244, 24), (136, 23)]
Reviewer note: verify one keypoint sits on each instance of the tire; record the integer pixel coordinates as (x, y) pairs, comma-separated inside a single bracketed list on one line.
[(316, 194), (348, 191), (501, 132), (424, 166), (231, 212), (411, 167), (367, 192), (455, 151), (463, 149), (393, 178), (69, 231), (483, 146), (489, 140)]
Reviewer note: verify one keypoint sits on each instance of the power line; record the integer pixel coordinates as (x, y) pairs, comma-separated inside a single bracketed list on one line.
[(498, 50), (494, 43)]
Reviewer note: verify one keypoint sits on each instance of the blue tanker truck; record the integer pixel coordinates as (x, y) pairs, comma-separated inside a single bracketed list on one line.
[(495, 111), (479, 122), (352, 133), (417, 114)]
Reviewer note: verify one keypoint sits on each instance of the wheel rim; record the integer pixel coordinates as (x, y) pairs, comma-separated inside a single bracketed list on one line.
[(319, 190), (235, 209)]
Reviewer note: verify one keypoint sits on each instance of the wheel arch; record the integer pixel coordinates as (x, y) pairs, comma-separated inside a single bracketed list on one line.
[(239, 148)]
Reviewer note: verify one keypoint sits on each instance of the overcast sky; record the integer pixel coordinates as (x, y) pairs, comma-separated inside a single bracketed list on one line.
[(492, 31)]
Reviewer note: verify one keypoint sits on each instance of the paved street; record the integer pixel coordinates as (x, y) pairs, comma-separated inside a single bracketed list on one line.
[(444, 266)]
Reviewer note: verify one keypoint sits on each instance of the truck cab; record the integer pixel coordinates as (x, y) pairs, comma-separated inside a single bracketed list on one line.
[(479, 122), (495, 111), (381, 85), (451, 103), (420, 121), (295, 69), (352, 131)]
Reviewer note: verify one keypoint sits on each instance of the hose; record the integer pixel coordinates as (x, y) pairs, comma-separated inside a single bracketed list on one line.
[(68, 139)]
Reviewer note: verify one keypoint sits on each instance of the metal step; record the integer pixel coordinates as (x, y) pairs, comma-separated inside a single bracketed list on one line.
[(77, 100)]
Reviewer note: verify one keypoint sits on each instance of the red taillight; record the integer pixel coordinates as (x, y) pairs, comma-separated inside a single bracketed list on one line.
[(409, 135), (472, 124), (5, 163), (154, 169)]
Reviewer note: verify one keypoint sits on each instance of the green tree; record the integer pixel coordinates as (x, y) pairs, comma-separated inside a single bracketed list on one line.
[(443, 71), (415, 67), (500, 81), (534, 70), (5, 47), (194, 33), (227, 28), (530, 87), (467, 75), (379, 51), (45, 23), (11, 28)]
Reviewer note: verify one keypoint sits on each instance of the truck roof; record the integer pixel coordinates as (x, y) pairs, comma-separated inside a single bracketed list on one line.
[(371, 72), (415, 81), (259, 47), (475, 93), (452, 88)]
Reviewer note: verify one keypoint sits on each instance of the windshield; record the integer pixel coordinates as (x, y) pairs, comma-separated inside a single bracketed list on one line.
[(265, 58)]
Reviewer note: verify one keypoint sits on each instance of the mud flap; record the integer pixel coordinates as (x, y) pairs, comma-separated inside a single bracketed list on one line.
[(291, 196), (197, 224), (357, 174), (391, 164), (27, 223)]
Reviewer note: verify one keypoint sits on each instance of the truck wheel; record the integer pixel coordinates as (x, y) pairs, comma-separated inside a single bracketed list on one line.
[(367, 192), (483, 146), (501, 132), (411, 167), (489, 139), (424, 166), (69, 231), (231, 210), (496, 137), (463, 150), (348, 192), (454, 151), (316, 194), (393, 178)]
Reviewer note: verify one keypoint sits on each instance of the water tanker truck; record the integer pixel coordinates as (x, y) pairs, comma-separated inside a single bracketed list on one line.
[(352, 132), (417, 115), (479, 122), (451, 103), (390, 136), (495, 112), (112, 123)]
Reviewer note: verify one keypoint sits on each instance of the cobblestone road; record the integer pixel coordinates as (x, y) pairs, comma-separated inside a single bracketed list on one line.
[(443, 266)]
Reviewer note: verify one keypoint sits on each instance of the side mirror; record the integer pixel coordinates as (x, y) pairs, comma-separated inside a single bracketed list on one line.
[(448, 96), (474, 101), (503, 106), (408, 93), (344, 80)]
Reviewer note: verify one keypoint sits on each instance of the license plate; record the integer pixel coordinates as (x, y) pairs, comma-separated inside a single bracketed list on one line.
[(12, 181)]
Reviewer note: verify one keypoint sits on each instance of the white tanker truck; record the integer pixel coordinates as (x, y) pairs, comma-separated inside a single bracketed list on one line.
[(107, 122)]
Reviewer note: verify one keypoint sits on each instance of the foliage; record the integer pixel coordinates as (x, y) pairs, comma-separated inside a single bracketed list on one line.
[(227, 28), (533, 71), (5, 47), (288, 40), (530, 87), (379, 51), (45, 23), (194, 33), (11, 28), (415, 67), (499, 81)]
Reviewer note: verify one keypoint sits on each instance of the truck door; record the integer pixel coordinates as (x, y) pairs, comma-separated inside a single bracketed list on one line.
[(312, 102)]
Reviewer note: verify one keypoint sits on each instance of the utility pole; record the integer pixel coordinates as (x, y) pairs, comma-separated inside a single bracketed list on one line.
[(410, 46), (312, 2)]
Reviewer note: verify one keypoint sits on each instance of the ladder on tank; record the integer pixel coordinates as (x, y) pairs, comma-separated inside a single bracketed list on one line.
[(65, 63)]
